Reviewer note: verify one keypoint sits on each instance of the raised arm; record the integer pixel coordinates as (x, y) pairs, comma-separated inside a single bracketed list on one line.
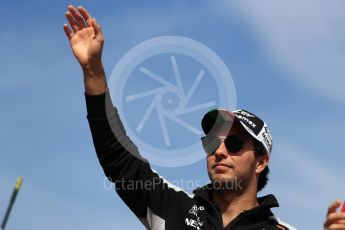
[(147, 194), (86, 39)]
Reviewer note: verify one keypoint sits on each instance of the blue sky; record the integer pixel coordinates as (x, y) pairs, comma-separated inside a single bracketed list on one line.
[(287, 62)]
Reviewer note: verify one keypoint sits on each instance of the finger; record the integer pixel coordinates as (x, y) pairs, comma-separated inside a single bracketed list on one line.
[(87, 17), (336, 227), (334, 218), (333, 207), (77, 17), (98, 30), (72, 22), (68, 31)]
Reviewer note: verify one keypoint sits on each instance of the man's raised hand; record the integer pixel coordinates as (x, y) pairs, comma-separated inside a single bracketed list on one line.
[(86, 39)]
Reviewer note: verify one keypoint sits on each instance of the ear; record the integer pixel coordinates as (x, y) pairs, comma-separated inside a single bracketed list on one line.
[(261, 163)]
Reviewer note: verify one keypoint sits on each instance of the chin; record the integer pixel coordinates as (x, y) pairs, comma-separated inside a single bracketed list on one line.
[(224, 182), (222, 178)]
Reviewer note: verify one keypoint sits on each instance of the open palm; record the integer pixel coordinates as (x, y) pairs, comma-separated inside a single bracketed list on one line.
[(86, 39)]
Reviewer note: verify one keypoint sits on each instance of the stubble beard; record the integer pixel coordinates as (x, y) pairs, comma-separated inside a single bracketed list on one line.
[(227, 183)]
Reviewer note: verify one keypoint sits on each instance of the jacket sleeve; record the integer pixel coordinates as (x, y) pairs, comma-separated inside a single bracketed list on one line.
[(147, 194)]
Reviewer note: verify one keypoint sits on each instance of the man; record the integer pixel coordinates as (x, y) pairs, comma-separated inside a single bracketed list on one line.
[(237, 144)]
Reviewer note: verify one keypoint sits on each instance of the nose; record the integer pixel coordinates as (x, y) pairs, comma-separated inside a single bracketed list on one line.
[(221, 151)]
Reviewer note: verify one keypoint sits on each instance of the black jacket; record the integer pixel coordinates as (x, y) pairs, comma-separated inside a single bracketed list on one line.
[(156, 202)]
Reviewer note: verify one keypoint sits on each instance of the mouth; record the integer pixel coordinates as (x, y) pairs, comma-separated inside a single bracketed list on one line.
[(222, 166)]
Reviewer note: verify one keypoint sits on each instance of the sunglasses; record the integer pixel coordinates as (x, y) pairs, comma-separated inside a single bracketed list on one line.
[(233, 143)]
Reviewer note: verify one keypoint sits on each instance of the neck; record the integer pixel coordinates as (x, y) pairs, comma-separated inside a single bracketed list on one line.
[(232, 203)]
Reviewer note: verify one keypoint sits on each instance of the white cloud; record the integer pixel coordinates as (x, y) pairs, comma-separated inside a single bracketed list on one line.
[(306, 38)]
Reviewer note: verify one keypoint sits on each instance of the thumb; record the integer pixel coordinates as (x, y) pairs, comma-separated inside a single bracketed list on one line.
[(98, 30), (333, 207)]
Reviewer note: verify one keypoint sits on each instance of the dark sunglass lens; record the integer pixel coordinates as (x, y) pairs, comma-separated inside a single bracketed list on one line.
[(234, 143), (210, 144)]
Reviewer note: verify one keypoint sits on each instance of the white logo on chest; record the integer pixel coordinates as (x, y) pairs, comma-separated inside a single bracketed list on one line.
[(195, 223)]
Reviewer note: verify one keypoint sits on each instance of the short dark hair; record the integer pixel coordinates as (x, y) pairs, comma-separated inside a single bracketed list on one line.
[(259, 150)]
